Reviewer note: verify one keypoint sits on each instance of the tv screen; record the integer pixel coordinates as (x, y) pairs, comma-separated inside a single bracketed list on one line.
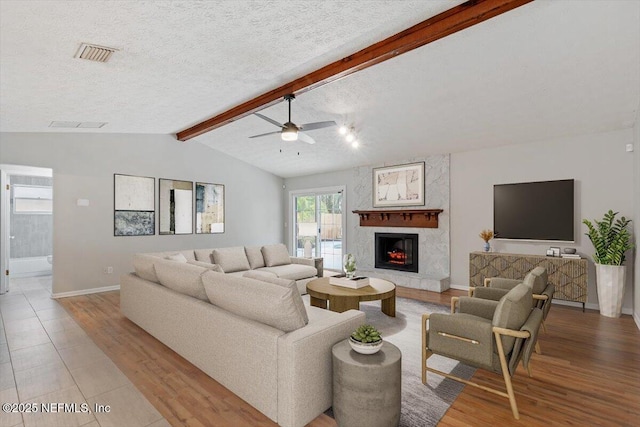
[(534, 210)]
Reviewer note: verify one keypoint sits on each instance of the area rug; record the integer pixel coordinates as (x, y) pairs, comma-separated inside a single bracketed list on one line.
[(422, 405)]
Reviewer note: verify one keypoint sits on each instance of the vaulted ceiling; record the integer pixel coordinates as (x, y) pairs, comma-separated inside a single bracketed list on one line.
[(544, 70)]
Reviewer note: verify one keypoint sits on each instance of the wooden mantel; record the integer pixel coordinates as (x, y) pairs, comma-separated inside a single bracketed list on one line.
[(418, 218)]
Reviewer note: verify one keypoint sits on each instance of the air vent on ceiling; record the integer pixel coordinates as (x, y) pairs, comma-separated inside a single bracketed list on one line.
[(93, 52), (77, 125)]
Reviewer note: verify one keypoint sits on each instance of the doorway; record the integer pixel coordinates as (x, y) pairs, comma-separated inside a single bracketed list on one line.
[(318, 226), (26, 228)]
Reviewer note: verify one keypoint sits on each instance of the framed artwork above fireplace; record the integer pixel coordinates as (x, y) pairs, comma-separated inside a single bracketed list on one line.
[(400, 185)]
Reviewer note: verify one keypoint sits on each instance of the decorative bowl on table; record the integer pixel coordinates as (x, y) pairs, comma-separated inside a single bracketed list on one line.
[(365, 347)]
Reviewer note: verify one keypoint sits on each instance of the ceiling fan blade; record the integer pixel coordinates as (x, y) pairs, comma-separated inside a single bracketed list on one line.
[(273, 122), (265, 134), (306, 138), (317, 125)]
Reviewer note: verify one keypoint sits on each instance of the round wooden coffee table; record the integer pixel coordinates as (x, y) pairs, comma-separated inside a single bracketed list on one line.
[(342, 299)]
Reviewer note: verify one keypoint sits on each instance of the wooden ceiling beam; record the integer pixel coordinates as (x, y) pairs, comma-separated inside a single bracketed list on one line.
[(451, 21)]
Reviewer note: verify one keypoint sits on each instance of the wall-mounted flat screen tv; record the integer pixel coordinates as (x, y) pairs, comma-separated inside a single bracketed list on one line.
[(534, 210)]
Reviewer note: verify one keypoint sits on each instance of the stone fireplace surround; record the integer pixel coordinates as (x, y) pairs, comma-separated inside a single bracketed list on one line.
[(434, 250)]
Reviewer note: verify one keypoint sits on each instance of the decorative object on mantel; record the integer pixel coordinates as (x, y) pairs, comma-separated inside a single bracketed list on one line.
[(366, 340), (486, 235), (349, 264), (400, 185), (419, 218), (611, 241)]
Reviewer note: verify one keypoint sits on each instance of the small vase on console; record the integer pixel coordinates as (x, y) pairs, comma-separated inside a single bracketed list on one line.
[(486, 235), (487, 247)]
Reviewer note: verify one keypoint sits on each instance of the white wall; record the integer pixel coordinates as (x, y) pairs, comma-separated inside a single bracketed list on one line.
[(83, 167), (604, 174)]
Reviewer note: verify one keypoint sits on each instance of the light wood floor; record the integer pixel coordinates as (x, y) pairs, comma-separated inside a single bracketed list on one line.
[(588, 374)]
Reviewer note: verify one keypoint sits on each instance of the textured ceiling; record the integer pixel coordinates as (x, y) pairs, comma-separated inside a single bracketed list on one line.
[(544, 70)]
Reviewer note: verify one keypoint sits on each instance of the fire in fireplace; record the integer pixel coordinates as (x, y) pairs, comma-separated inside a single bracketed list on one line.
[(397, 251)]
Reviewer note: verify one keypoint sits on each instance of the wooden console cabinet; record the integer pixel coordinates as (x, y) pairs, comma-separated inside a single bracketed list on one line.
[(568, 275)]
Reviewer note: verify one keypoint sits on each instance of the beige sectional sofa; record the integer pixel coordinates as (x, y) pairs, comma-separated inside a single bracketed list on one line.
[(251, 332), (272, 259)]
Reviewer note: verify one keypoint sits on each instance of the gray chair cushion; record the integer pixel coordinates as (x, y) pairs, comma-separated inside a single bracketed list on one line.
[(271, 278), (207, 265), (275, 255), (254, 255), (537, 279), (489, 293), (512, 311), (181, 277), (263, 302), (292, 271), (231, 259)]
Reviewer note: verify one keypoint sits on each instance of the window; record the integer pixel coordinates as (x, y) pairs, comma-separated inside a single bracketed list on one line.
[(32, 199)]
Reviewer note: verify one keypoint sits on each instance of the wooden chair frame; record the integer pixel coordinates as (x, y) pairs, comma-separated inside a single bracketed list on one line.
[(498, 333)]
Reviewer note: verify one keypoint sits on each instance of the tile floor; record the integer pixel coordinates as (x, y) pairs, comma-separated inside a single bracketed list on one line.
[(45, 357)]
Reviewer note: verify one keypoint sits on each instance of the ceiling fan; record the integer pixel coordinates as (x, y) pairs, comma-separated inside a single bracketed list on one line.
[(290, 131)]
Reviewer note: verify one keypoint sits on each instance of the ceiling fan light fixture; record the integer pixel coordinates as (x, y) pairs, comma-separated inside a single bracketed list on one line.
[(350, 137), (289, 135), (342, 130)]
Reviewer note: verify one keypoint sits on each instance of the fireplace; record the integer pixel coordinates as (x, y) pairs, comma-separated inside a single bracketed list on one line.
[(397, 251)]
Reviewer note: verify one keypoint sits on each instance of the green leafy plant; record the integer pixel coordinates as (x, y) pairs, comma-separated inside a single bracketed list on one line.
[(366, 334), (349, 263), (610, 239)]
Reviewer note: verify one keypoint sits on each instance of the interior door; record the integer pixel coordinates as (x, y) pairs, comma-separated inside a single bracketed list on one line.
[(318, 226), (4, 232)]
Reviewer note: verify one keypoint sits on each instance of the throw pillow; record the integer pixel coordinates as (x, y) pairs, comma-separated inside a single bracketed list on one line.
[(266, 303), (176, 257), (254, 255), (276, 255), (263, 276), (231, 259), (207, 265), (181, 277)]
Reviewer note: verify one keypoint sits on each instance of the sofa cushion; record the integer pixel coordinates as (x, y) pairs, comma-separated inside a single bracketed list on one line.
[(262, 302), (178, 257), (265, 276), (207, 265), (231, 259), (291, 271), (204, 255), (181, 277), (188, 254), (254, 255), (143, 266), (275, 255), (512, 311)]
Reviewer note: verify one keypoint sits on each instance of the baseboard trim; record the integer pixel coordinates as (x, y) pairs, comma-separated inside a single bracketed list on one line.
[(85, 292), (636, 317), (459, 287)]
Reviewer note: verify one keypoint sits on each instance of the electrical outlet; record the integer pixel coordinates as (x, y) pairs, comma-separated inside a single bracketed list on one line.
[(107, 270), (629, 148)]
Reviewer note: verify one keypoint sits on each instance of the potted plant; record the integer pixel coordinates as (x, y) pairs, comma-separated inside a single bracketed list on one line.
[(611, 240), (486, 235), (366, 340)]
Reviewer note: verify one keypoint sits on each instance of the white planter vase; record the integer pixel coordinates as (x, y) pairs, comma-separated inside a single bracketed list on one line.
[(610, 282)]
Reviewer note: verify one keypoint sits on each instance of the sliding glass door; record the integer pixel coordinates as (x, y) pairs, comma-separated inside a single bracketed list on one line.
[(318, 226)]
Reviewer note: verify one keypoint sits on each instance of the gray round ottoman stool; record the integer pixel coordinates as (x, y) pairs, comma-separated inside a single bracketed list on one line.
[(366, 387)]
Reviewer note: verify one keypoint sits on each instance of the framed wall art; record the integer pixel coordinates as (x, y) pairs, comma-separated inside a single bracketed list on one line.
[(176, 207), (134, 205), (400, 185), (209, 208)]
